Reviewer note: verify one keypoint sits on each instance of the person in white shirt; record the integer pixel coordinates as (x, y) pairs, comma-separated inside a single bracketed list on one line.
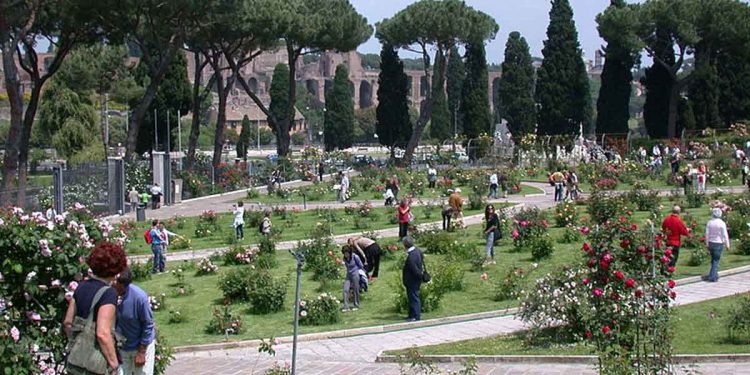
[(51, 212), (155, 196), (165, 235), (239, 220), (431, 176), (656, 151), (344, 187), (265, 225), (493, 186), (717, 239)]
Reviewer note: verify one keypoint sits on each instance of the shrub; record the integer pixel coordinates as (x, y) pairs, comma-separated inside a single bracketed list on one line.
[(528, 224), (602, 207), (736, 224), (743, 247), (207, 225), (240, 255), (158, 303), (252, 193), (477, 201), (175, 317), (437, 241), (697, 257), (509, 287), (181, 287), (323, 310), (141, 271), (566, 214), (265, 293), (737, 320), (206, 267), (605, 184), (695, 200), (570, 234), (224, 322), (541, 247), (234, 283), (429, 294), (450, 275), (644, 200), (181, 243), (321, 258)]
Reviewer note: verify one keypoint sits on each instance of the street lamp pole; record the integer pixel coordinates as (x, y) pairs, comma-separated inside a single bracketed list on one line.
[(455, 127), (300, 257)]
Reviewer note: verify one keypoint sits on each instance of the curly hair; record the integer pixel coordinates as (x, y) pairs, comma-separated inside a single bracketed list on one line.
[(107, 259)]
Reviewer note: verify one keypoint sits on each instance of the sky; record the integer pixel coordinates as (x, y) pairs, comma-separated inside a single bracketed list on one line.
[(529, 17)]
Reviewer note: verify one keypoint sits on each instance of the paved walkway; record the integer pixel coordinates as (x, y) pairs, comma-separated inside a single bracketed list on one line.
[(357, 354)]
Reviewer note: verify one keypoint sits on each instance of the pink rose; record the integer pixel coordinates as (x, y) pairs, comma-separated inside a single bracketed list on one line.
[(73, 286), (585, 230), (586, 281), (484, 276), (15, 333), (598, 292)]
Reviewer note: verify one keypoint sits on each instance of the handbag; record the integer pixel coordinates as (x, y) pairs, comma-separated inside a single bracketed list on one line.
[(84, 355), (411, 217), (426, 277)]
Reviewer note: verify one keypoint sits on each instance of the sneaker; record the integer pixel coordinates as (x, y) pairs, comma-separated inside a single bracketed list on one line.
[(355, 308), (345, 310)]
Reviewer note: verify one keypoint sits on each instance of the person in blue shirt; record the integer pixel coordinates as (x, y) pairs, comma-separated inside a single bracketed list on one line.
[(353, 265), (135, 322), (157, 247)]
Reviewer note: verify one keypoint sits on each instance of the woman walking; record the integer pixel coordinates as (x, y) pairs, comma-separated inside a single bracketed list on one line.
[(717, 239), (239, 220), (404, 217), (353, 265), (491, 230)]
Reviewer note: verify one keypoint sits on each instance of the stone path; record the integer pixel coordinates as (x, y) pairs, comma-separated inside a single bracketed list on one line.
[(357, 354)]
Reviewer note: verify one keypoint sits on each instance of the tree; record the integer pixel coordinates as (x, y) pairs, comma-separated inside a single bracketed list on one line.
[(279, 92), (455, 81), (621, 54), (393, 124), (339, 115), (516, 90), (309, 27), (65, 119), (562, 87), (440, 117), (475, 104), (65, 25), (243, 143), (734, 88), (433, 24), (659, 84)]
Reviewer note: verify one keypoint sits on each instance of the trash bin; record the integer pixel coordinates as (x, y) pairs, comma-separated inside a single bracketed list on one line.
[(140, 213)]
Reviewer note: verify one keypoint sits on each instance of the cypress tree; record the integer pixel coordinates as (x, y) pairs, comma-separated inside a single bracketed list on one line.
[(704, 95), (734, 88), (440, 116), (475, 104), (563, 85), (243, 143), (339, 116), (658, 83), (393, 124), (456, 74), (516, 92), (279, 93), (613, 104)]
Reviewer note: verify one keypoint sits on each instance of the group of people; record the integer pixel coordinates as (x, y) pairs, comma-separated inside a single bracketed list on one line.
[(158, 237), (123, 341), (716, 238), (238, 223), (153, 195), (567, 182), (361, 257)]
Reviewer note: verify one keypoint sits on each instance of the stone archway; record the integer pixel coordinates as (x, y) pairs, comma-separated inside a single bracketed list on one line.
[(424, 86), (313, 88), (253, 84), (365, 94), (327, 86)]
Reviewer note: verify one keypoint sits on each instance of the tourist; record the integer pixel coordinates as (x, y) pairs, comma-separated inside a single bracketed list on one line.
[(456, 202), (321, 170), (558, 180), (157, 247), (239, 220), (412, 276), (674, 228), (642, 154), (155, 196), (134, 198), (145, 198), (51, 212), (265, 224), (491, 232), (390, 199), (717, 239), (404, 218), (493, 186), (371, 252), (165, 238), (674, 161), (503, 180), (688, 178), (95, 299), (343, 187), (431, 176), (745, 170), (351, 282), (276, 178), (702, 175), (447, 213), (135, 322), (395, 185), (656, 151), (571, 185)]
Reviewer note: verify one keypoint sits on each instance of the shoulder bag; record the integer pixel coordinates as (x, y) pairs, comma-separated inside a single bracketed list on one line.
[(84, 355), (425, 275)]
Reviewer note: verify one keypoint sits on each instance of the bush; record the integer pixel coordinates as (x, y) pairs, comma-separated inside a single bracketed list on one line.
[(181, 287), (234, 283), (175, 317), (437, 241), (602, 207), (695, 200), (321, 258), (737, 320), (509, 287), (605, 184), (697, 257), (429, 294), (477, 201), (323, 310), (265, 293), (206, 267), (541, 247), (240, 255), (566, 214), (224, 322), (207, 225), (180, 243), (528, 224), (448, 276), (141, 271), (736, 224), (644, 200), (570, 235), (743, 247)]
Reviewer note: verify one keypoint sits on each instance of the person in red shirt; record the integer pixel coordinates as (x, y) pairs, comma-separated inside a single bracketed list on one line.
[(404, 217), (674, 228)]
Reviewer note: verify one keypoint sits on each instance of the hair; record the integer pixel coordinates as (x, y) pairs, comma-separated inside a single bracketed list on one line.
[(125, 277), (154, 222), (408, 241), (267, 213), (403, 202), (676, 209), (487, 211), (240, 204), (107, 259), (346, 250)]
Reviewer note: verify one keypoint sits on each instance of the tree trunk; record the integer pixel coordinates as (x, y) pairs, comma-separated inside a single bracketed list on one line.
[(103, 114), (425, 111), (195, 126), (282, 135), (220, 120), (13, 88), (674, 99), (23, 151)]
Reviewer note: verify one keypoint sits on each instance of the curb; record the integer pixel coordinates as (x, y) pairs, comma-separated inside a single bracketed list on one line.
[(562, 359), (351, 332)]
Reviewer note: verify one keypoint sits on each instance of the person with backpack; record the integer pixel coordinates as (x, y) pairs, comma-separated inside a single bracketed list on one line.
[(239, 220), (353, 265), (135, 322), (265, 224), (491, 232), (91, 315), (154, 237)]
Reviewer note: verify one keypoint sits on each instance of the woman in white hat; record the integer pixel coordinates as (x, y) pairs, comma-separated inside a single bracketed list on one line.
[(717, 239)]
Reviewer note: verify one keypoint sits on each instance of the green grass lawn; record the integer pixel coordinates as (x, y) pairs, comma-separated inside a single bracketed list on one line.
[(377, 304), (295, 227), (698, 328)]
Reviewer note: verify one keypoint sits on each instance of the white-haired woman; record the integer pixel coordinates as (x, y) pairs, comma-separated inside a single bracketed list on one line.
[(717, 239)]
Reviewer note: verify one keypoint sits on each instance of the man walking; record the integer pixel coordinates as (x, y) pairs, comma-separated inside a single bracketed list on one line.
[(135, 322), (344, 192), (134, 198), (155, 196), (674, 228), (412, 277), (558, 180), (157, 247), (493, 186)]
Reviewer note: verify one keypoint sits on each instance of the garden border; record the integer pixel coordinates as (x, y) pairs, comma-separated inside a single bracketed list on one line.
[(562, 359)]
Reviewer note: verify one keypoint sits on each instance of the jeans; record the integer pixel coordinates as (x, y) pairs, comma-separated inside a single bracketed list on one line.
[(403, 230), (493, 191), (351, 282), (159, 258), (558, 191), (372, 253), (489, 247), (447, 214), (239, 231), (431, 184), (675, 255), (128, 362), (715, 249), (415, 303)]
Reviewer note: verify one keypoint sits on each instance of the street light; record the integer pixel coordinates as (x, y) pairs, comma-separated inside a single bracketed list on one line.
[(300, 257)]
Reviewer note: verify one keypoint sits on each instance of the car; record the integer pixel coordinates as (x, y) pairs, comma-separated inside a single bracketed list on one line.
[(272, 157), (362, 160), (460, 156)]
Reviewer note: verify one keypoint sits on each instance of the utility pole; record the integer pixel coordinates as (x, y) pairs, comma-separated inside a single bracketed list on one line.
[(179, 136), (455, 127), (156, 131), (300, 257)]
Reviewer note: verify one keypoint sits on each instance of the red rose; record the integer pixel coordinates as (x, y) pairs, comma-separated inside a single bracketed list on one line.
[(671, 284), (605, 280), (604, 265), (630, 213), (639, 293), (633, 227), (624, 243), (619, 275), (671, 269), (592, 262), (630, 283), (623, 219), (668, 252), (587, 334), (606, 330), (586, 247), (664, 259), (673, 294)]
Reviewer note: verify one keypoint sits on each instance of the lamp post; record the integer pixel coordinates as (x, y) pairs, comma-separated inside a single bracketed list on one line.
[(300, 257)]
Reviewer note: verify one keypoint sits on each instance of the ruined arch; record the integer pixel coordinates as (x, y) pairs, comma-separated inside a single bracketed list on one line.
[(365, 94)]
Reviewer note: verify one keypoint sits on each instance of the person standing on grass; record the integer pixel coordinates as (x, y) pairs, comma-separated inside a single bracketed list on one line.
[(558, 180), (674, 228), (321, 170), (493, 186), (431, 176), (412, 276), (745, 169), (157, 247), (371, 251), (239, 220), (674, 161), (456, 202), (353, 265), (135, 322), (702, 175), (717, 239), (343, 187), (395, 186), (404, 217), (265, 225), (491, 230)]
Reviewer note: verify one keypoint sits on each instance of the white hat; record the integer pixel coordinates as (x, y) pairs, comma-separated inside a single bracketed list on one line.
[(458, 190)]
